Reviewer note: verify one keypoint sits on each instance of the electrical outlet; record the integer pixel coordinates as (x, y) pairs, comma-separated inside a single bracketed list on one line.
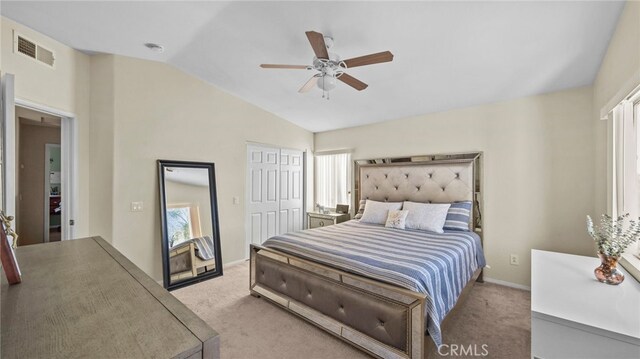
[(514, 260), (137, 206)]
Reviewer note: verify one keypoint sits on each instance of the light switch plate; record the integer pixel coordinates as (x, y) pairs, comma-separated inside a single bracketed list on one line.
[(236, 200), (137, 206)]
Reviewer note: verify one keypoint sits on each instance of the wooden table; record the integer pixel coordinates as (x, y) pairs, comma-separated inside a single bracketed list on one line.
[(83, 299)]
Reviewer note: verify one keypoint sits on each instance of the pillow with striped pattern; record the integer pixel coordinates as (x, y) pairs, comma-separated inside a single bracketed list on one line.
[(458, 217), (360, 209)]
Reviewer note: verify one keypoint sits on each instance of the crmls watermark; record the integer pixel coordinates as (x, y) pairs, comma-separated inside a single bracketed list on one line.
[(461, 350)]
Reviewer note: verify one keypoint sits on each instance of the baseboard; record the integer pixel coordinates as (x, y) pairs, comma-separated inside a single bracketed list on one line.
[(507, 284), (231, 264)]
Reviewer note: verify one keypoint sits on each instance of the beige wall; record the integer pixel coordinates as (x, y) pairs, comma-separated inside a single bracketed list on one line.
[(101, 136), (31, 162), (65, 87), (538, 168), (160, 112)]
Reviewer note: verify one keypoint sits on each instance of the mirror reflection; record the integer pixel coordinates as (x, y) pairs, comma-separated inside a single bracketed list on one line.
[(190, 231)]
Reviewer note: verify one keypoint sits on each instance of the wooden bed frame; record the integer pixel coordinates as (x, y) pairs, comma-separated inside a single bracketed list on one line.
[(285, 279)]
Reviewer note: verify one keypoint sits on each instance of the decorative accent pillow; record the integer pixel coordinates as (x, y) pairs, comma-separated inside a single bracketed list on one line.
[(360, 209), (458, 216), (396, 219), (377, 212), (426, 216)]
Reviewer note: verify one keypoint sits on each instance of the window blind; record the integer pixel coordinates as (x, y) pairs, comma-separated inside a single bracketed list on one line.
[(333, 179)]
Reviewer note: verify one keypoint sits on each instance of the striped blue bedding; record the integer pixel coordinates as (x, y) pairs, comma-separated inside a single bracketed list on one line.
[(438, 265)]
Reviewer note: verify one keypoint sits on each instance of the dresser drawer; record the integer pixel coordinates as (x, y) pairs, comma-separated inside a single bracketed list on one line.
[(315, 222), (318, 220), (555, 340)]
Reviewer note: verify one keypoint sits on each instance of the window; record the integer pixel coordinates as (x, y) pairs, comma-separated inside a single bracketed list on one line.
[(333, 179), (183, 223), (625, 159)]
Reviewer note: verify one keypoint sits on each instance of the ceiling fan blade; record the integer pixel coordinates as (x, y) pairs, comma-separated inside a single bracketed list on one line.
[(377, 58), (316, 40), (276, 66), (309, 84), (353, 82)]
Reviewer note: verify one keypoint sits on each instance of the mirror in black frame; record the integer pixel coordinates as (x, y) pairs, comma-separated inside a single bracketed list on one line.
[(189, 217)]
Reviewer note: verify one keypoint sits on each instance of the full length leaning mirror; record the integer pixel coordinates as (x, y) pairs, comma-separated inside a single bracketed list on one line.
[(189, 216)]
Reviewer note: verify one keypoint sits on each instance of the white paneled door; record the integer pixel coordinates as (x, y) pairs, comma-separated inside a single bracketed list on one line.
[(291, 189), (263, 197), (275, 192)]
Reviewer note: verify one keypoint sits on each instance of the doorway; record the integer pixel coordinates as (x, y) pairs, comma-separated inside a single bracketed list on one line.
[(39, 181), (9, 155)]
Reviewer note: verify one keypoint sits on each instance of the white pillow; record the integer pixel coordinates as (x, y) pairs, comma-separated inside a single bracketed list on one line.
[(396, 219), (426, 216), (377, 212)]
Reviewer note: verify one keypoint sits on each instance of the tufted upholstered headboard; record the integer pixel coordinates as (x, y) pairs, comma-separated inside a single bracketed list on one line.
[(437, 183), (434, 181)]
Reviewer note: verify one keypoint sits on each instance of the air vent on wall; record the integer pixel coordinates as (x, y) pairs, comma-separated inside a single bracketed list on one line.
[(45, 55), (33, 50), (26, 47)]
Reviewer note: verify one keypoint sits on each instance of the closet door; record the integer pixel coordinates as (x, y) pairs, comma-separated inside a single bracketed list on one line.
[(263, 202), (291, 191)]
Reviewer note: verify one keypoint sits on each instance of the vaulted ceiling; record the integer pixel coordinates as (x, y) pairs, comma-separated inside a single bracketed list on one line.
[(447, 54)]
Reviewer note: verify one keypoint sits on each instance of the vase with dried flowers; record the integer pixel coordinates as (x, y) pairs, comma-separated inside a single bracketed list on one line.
[(612, 239)]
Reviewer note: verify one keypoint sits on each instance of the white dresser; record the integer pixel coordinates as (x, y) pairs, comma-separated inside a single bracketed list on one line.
[(575, 316)]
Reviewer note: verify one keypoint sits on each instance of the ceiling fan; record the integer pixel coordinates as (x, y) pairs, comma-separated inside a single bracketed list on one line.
[(329, 66)]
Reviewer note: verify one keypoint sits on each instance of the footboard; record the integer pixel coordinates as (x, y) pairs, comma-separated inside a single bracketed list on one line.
[(381, 319)]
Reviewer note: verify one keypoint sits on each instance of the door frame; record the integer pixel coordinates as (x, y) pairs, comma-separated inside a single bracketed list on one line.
[(247, 240), (47, 188), (68, 157), (9, 197)]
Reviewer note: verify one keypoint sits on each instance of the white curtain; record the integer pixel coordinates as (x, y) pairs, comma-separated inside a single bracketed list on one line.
[(333, 179)]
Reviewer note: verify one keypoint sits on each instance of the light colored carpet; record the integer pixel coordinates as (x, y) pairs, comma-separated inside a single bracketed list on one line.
[(254, 328)]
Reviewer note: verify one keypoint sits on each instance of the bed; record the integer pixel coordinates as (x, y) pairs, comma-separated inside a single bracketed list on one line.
[(377, 288), (190, 258)]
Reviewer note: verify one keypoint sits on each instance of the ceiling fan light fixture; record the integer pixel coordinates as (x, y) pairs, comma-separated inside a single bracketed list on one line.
[(327, 83), (329, 67)]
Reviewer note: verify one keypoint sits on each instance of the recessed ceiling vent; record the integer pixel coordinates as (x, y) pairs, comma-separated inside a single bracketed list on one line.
[(33, 50)]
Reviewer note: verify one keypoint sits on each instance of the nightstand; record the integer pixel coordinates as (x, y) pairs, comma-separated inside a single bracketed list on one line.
[(317, 220)]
